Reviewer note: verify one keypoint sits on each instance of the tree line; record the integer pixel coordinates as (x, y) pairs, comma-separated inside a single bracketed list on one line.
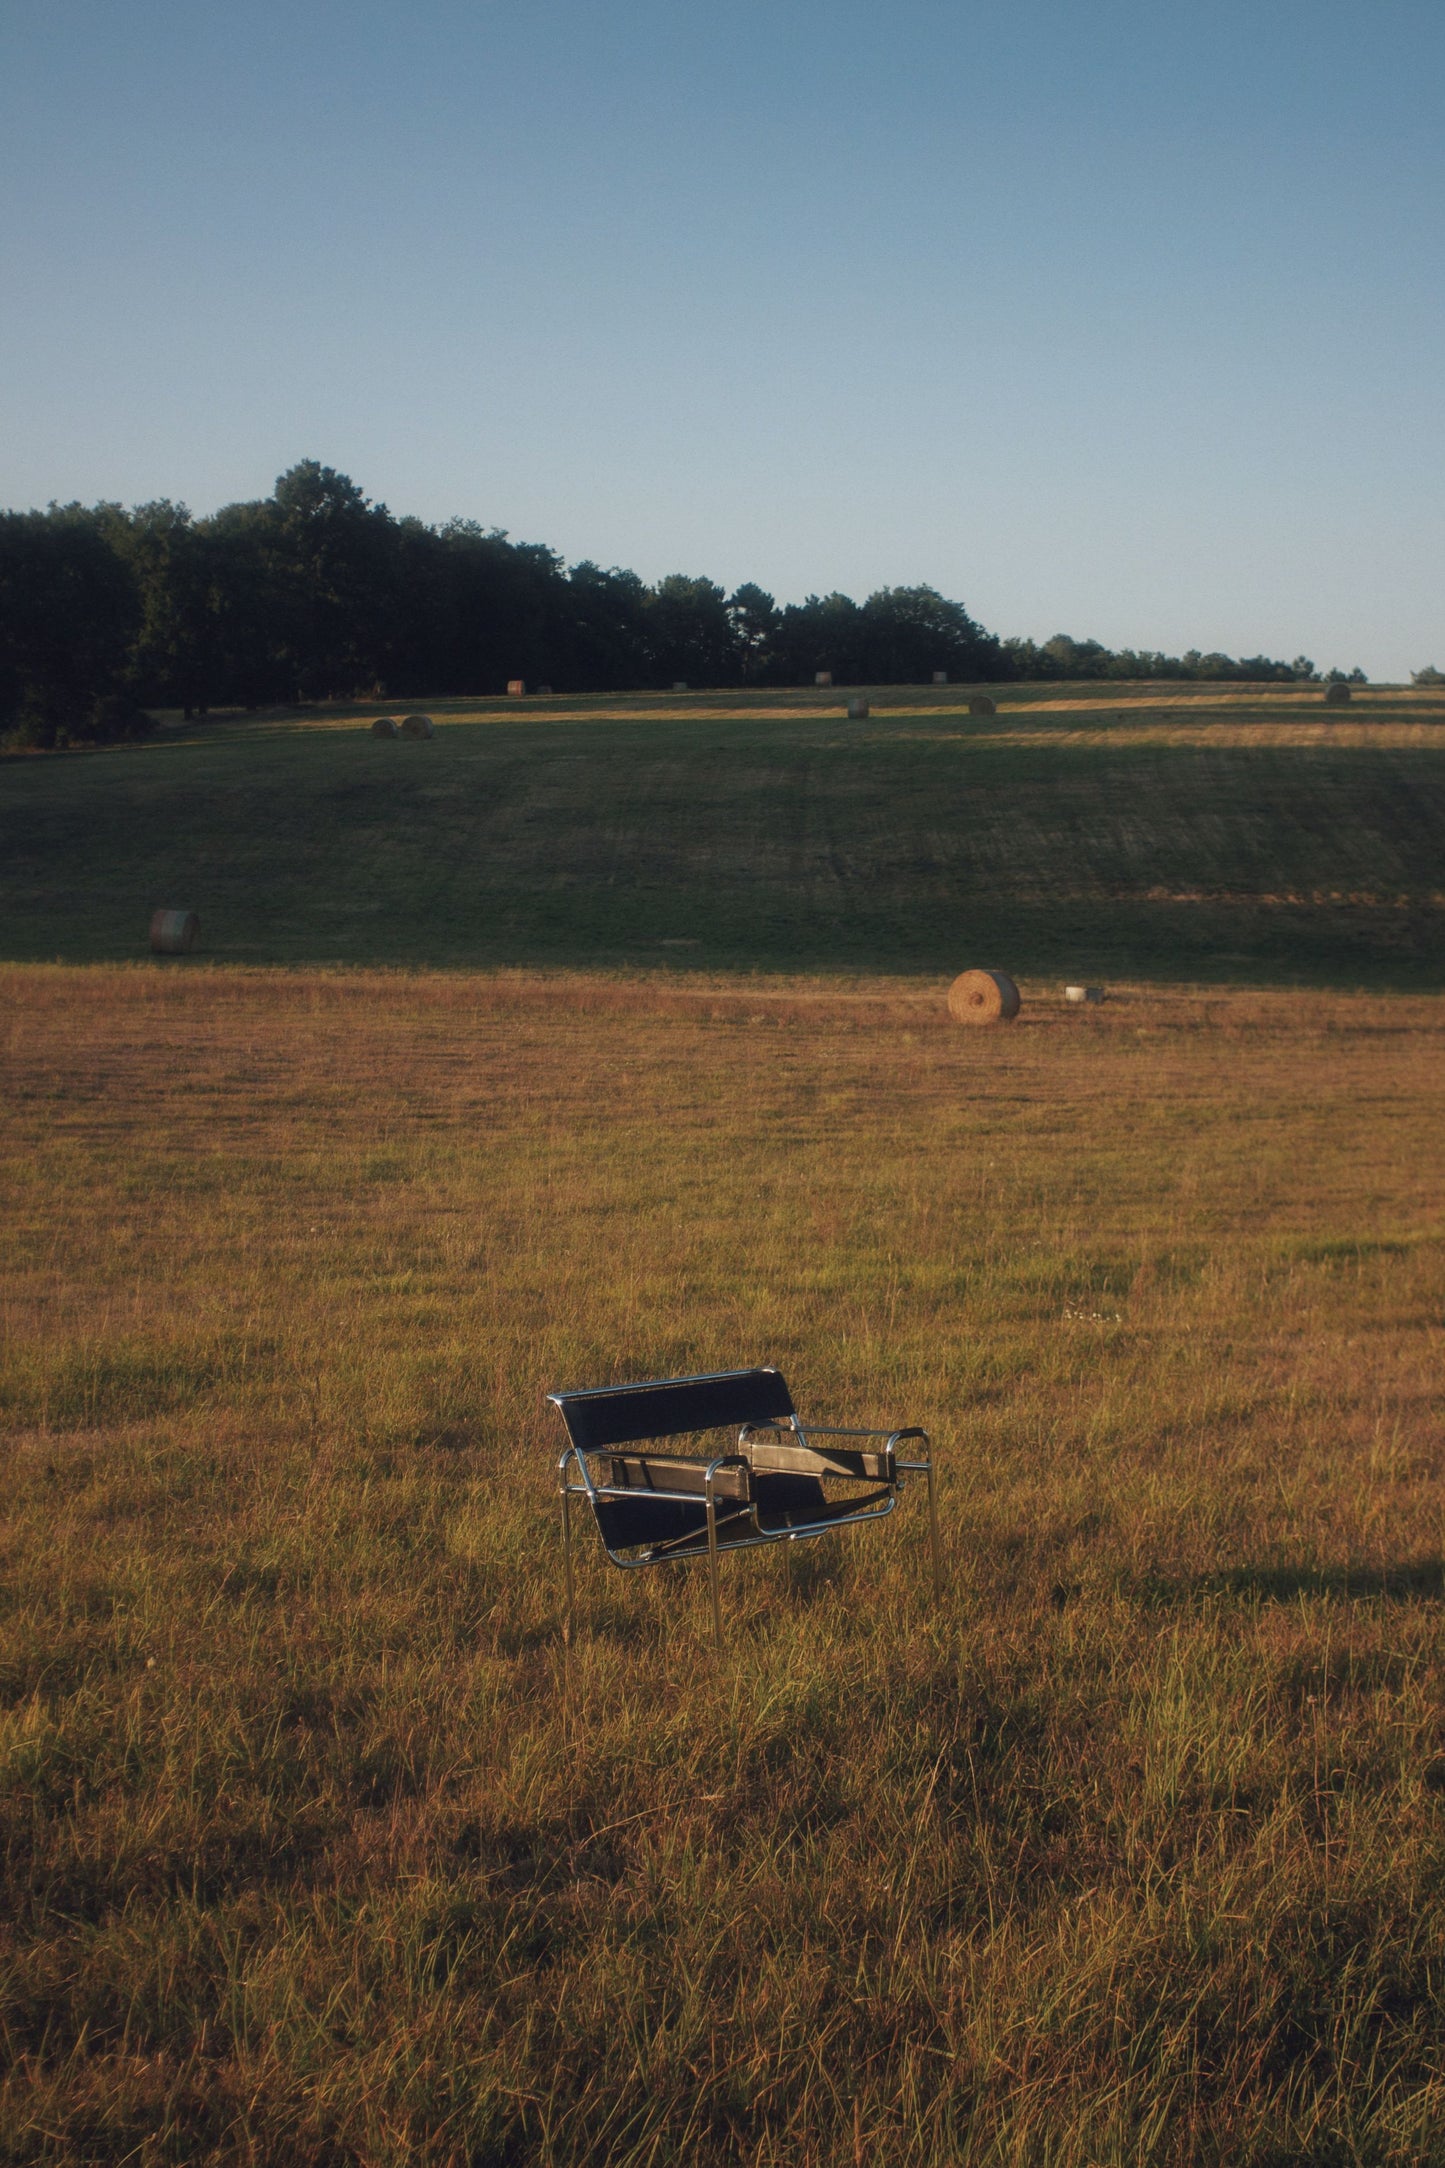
[(316, 592)]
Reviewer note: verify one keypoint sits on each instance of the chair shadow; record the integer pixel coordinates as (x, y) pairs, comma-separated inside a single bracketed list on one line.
[(809, 1573), (1286, 1584)]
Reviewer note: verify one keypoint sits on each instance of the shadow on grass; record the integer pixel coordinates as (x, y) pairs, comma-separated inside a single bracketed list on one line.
[(1423, 1578)]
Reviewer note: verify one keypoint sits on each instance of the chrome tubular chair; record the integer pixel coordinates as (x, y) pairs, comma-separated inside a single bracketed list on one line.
[(685, 1497)]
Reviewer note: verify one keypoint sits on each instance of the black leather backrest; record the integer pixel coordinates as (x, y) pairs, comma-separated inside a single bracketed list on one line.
[(671, 1407)]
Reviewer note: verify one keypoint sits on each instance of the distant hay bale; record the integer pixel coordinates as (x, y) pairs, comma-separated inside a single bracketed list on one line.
[(983, 997), (173, 933), (679, 685), (822, 677), (1336, 695), (384, 727), (1083, 993), (544, 691), (980, 704), (857, 711), (516, 685), (940, 677), (417, 726)]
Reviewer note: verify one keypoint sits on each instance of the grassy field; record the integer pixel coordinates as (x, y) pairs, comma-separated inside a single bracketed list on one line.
[(1221, 834), (319, 1848)]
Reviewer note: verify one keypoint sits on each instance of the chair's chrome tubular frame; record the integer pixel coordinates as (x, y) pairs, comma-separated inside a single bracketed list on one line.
[(655, 1554), (795, 1427), (590, 1489)]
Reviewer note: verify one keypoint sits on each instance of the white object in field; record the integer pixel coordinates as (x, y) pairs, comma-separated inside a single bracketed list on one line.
[(1083, 993)]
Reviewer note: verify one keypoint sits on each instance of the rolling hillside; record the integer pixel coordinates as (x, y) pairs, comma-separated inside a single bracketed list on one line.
[(1161, 832)]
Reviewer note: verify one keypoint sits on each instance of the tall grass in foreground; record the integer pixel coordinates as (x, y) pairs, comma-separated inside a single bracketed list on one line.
[(318, 1845)]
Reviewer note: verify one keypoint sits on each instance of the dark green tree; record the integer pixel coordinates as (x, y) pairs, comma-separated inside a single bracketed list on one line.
[(689, 632), (69, 612), (608, 631), (909, 632), (331, 576), (823, 633), (753, 616), (173, 659)]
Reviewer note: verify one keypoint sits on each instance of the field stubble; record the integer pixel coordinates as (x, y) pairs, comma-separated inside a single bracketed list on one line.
[(319, 1847)]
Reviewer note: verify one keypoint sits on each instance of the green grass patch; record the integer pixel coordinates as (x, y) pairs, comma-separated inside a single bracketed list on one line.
[(1229, 841)]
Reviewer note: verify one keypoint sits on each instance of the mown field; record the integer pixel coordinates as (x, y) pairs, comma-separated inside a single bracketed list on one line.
[(318, 1845), (1221, 834)]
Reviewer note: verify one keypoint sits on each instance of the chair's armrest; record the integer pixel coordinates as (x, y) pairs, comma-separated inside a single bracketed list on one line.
[(728, 1475), (796, 1454), (914, 1467), (836, 1430), (792, 1455)]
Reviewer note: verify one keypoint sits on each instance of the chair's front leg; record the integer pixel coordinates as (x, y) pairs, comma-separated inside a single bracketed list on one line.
[(712, 1572), (934, 1544), (925, 1468), (566, 1542)]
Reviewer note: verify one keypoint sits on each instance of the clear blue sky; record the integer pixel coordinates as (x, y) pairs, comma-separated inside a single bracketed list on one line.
[(1126, 320)]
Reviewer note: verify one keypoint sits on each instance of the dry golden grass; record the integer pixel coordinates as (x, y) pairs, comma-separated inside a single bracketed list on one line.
[(317, 1848)]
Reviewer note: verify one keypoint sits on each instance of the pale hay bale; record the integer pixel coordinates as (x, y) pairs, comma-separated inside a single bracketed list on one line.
[(417, 726), (173, 933), (940, 677), (1336, 696), (857, 711), (384, 727), (1083, 993), (980, 704), (822, 677), (983, 997), (516, 685)]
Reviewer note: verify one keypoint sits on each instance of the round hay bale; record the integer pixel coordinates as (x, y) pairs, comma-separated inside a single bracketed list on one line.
[(940, 677), (983, 997), (544, 690), (980, 704), (857, 711), (384, 727), (822, 677), (417, 726), (679, 685), (516, 685), (173, 933), (1336, 696), (1083, 993)]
